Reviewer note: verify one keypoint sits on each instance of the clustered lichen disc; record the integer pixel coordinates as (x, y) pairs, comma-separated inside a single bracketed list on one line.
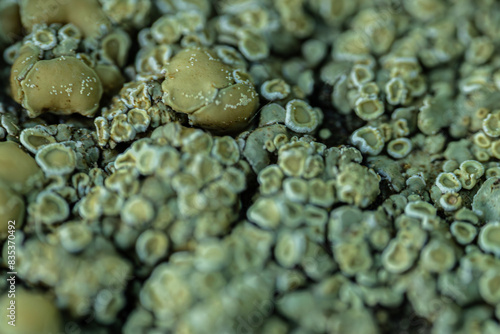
[(250, 166)]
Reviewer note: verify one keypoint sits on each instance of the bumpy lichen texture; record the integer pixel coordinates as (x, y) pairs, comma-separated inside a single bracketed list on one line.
[(199, 84), (358, 192)]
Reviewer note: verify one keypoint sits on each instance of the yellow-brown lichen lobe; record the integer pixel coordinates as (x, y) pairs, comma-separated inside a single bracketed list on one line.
[(63, 85), (87, 15), (198, 83), (18, 169)]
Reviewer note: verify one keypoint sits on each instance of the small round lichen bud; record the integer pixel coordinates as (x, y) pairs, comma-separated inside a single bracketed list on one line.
[(139, 119), (275, 89), (399, 148), (493, 172), (489, 238), (479, 50), (357, 185), (448, 183), (450, 201), (166, 30), (321, 193), (481, 140), (301, 117), (56, 159), (11, 53), (473, 168), (420, 210), (137, 211), (253, 46), (292, 161), (463, 232), (396, 91), (361, 74), (495, 149), (265, 212), (296, 189), (75, 236), (102, 130), (45, 38), (121, 130), (151, 246), (107, 304), (489, 286), (491, 125), (115, 47), (353, 258), (368, 139), (39, 308), (34, 138), (230, 56), (486, 201), (289, 249), (368, 109), (50, 208), (270, 179), (69, 31), (397, 258), (437, 256), (225, 150)]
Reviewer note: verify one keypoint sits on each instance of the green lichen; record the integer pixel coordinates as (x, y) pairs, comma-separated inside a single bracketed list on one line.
[(358, 188)]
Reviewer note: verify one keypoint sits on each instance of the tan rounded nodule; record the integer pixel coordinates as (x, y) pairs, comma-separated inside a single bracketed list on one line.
[(87, 15), (64, 85), (18, 167)]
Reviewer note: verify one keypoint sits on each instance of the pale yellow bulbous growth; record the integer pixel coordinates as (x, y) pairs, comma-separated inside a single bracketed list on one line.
[(87, 15), (18, 169), (63, 85), (199, 84), (35, 313)]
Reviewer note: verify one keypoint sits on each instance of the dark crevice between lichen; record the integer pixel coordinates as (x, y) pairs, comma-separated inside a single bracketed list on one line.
[(340, 125)]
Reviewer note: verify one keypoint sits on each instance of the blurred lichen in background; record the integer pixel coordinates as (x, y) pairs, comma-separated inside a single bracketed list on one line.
[(251, 166)]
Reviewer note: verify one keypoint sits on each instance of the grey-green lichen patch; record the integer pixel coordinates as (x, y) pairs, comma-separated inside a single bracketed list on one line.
[(199, 178), (488, 237), (134, 111), (338, 239), (486, 203), (97, 268)]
